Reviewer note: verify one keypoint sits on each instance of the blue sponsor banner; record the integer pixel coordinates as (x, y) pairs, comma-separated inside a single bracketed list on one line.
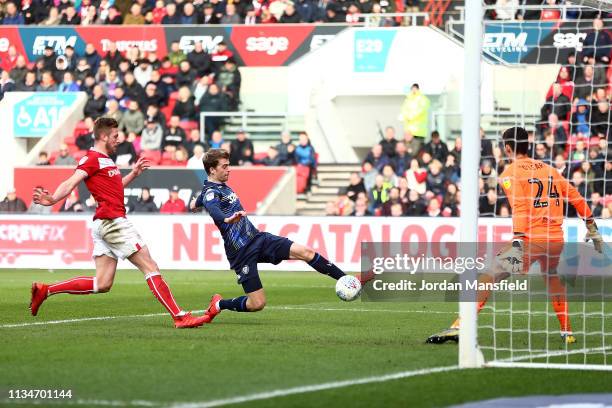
[(512, 42), (372, 49), (35, 40), (39, 113)]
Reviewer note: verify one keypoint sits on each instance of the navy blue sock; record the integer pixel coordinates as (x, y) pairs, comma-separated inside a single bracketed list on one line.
[(322, 265), (236, 304)]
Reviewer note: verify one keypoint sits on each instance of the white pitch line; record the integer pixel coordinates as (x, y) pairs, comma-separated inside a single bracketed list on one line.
[(88, 319), (84, 319), (557, 353), (261, 395), (313, 388), (338, 309)]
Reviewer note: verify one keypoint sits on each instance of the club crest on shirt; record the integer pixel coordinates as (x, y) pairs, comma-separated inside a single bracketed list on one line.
[(506, 182), (232, 198), (210, 195)]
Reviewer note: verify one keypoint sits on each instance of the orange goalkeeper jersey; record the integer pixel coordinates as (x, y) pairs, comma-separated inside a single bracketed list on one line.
[(536, 193)]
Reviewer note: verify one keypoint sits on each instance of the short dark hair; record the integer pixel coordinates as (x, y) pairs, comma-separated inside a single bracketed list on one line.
[(518, 140), (103, 125), (212, 157), (415, 85)]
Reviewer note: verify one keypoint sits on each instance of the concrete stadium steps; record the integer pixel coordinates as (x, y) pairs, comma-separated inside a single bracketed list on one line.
[(331, 179), (495, 124), (264, 131)]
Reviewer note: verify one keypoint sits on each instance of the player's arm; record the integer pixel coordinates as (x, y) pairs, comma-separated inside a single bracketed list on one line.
[(511, 259), (210, 201), (519, 202), (582, 208), (42, 196), (576, 200), (141, 165)]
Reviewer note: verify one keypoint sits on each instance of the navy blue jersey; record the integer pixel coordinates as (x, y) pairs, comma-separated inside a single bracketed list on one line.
[(221, 202)]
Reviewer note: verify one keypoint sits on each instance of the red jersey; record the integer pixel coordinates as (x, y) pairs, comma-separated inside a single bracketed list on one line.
[(172, 207), (105, 183)]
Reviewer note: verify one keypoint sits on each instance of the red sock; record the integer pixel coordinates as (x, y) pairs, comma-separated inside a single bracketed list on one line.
[(83, 285), (559, 301), (162, 292)]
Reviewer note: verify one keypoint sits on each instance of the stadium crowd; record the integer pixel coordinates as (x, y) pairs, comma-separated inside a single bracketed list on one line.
[(156, 101), (140, 12), (157, 104), (515, 10), (403, 178)]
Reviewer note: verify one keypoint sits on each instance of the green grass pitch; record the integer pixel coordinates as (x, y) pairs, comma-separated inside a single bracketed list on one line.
[(305, 336)]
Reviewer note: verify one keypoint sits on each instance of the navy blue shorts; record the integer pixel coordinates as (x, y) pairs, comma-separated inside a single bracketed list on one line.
[(263, 248)]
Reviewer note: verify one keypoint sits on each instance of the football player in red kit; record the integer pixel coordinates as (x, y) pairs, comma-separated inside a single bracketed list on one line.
[(114, 236)]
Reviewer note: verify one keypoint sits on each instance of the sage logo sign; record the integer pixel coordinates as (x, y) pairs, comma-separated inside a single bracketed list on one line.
[(38, 114), (372, 49)]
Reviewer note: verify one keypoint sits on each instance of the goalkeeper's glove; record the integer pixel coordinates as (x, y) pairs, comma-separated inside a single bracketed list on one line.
[(594, 235), (511, 260)]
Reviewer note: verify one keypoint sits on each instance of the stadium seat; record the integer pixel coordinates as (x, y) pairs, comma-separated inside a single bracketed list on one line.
[(302, 174), (70, 140), (188, 126), (80, 129), (260, 156), (53, 156), (79, 154), (154, 156), (167, 110), (167, 159)]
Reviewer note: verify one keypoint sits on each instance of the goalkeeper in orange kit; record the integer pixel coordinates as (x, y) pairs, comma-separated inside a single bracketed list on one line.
[(536, 193)]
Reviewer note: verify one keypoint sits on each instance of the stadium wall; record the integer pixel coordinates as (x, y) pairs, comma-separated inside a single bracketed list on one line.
[(255, 197), (193, 241), (362, 75)]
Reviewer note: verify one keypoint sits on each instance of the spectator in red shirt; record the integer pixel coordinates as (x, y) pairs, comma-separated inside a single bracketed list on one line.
[(174, 204), (564, 78), (221, 55), (550, 14), (9, 61)]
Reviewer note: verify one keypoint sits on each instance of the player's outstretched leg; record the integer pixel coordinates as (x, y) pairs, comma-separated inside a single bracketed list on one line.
[(252, 302), (315, 260), (81, 285), (143, 261)]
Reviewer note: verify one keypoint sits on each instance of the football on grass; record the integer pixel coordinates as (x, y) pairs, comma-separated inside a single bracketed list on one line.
[(348, 288)]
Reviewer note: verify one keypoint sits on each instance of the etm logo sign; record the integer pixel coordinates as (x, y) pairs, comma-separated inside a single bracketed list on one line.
[(39, 113)]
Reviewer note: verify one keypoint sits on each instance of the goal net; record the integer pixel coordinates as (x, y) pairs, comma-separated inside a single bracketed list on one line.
[(551, 75)]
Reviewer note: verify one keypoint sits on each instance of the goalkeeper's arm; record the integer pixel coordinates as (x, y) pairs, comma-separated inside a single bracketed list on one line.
[(583, 209)]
